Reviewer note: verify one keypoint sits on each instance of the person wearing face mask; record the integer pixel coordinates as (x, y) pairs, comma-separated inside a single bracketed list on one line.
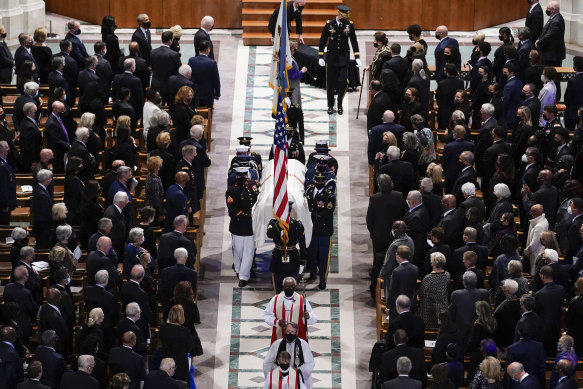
[(400, 238), (551, 42), (476, 39), (553, 123), (205, 75), (182, 113), (283, 376), (165, 63), (62, 280), (293, 12), (289, 307), (573, 234), (440, 59), (206, 25), (8, 184), (57, 137), (79, 53), (534, 19), (113, 53), (480, 95), (445, 94), (301, 359), (411, 106), (143, 37), (382, 54), (6, 59), (23, 53), (525, 46), (531, 102), (512, 97), (548, 93), (505, 36)]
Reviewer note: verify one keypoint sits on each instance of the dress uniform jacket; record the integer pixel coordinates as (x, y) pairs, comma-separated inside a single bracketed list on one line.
[(321, 204), (336, 39), (240, 200), (279, 264)]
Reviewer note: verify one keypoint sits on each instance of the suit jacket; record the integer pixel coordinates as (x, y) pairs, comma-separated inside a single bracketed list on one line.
[(97, 297), (457, 260), (58, 80), (11, 372), (399, 66), (15, 292), (131, 292), (375, 138), (31, 142), (89, 79), (440, 59), (507, 316), (21, 55), (201, 35), (403, 281), (145, 43), (548, 197), (165, 63), (380, 102), (450, 160), (169, 242), (532, 356), (78, 379), (463, 310), (413, 325), (402, 382), (142, 71), (473, 201), (384, 208), (569, 382), (96, 260), (485, 139), (175, 83), (402, 173), (58, 141), (453, 225), (125, 360), (551, 41), (535, 323), (118, 232), (549, 301), (79, 149), (54, 366), (489, 160), (468, 175), (418, 221), (8, 186), (535, 21), (78, 51), (573, 100), (134, 84), (388, 368), (42, 204), (50, 319), (533, 105), (176, 204), (171, 276), (6, 64), (574, 239), (32, 384), (291, 14), (160, 379), (205, 74), (474, 76), (444, 95), (71, 73), (124, 325), (432, 203), (512, 100), (66, 305)]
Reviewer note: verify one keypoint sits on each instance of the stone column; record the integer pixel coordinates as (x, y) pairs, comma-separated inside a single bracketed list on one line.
[(12, 17), (33, 14)]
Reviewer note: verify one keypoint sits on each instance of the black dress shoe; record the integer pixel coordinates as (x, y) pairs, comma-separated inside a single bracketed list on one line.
[(313, 276), (322, 285), (340, 111), (330, 111), (243, 283)]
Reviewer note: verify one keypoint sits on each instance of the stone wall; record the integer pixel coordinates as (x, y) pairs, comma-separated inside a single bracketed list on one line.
[(21, 16)]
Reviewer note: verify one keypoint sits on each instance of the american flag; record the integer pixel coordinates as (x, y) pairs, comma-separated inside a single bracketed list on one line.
[(280, 207)]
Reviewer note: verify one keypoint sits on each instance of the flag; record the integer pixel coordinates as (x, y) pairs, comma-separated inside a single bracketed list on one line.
[(279, 83)]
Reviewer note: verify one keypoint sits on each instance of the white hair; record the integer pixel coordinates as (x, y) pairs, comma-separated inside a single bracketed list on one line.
[(394, 153), (551, 255), (120, 197), (30, 87), (81, 133), (488, 109), (44, 174), (196, 130), (180, 254), (427, 184), (135, 234), (183, 70), (501, 190), (207, 21), (102, 277), (469, 189), (511, 286)]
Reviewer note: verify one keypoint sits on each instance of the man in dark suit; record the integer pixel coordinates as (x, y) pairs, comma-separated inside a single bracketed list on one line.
[(485, 132), (470, 259), (42, 207), (375, 136), (549, 301), (469, 237), (176, 200), (379, 104), (532, 102), (398, 64), (11, 367), (23, 53), (402, 172), (35, 373), (34, 282), (164, 63), (98, 260), (186, 165), (467, 174), (58, 80), (206, 25), (79, 53), (51, 318), (104, 68), (445, 93), (172, 240), (53, 363), (450, 161), (142, 70), (490, 157), (444, 42), (57, 137), (293, 12), (402, 282), (525, 46), (512, 97), (205, 75), (66, 306), (143, 37), (403, 381), (469, 192), (97, 296), (128, 80), (573, 234), (88, 78), (29, 95), (118, 230), (82, 377), (201, 159), (124, 360), (566, 379), (529, 318), (7, 185), (547, 195), (172, 275), (79, 149), (560, 148), (17, 292), (522, 379), (462, 306), (452, 221), (179, 80), (418, 222), (405, 320), (132, 292), (534, 19), (484, 49), (573, 97), (122, 106), (401, 348), (71, 70), (162, 378), (123, 184), (129, 323), (6, 59), (551, 42)]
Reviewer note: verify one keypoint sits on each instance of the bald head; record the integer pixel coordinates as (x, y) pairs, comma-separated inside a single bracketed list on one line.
[(58, 107), (46, 155), (181, 178), (449, 202), (134, 47), (554, 7), (470, 234), (53, 296), (103, 244), (536, 210), (21, 274), (459, 132), (440, 32), (388, 116), (545, 177)]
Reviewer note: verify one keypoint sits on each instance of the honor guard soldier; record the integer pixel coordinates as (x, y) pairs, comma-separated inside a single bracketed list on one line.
[(321, 203), (550, 113), (335, 37), (243, 160), (286, 259), (295, 150), (246, 141), (320, 165), (322, 148), (240, 199)]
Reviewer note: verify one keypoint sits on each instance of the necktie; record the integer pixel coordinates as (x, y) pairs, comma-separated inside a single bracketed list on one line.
[(63, 128), (149, 37)]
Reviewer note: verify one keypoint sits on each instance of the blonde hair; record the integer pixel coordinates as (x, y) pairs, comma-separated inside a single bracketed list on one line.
[(176, 314), (40, 35), (123, 120), (94, 316), (479, 37), (163, 139), (490, 367), (59, 211), (154, 164), (197, 119), (389, 138), (87, 120), (182, 93), (435, 172), (176, 31)]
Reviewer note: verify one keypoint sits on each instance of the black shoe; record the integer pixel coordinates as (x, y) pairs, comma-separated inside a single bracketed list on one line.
[(330, 111), (253, 274), (340, 111), (243, 283), (313, 276), (322, 285)]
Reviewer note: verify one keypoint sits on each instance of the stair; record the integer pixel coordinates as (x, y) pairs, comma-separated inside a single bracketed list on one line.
[(256, 13)]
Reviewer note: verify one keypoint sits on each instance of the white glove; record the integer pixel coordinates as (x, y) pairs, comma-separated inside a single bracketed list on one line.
[(358, 63), (321, 62)]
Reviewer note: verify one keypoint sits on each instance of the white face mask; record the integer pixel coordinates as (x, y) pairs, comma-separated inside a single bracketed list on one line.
[(569, 210), (524, 158), (143, 240), (543, 78)]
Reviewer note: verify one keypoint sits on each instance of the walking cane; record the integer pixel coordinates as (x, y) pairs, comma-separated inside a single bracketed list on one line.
[(360, 97)]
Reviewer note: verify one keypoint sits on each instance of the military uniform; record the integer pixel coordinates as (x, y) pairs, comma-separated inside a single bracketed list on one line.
[(335, 36), (549, 134), (295, 149), (256, 157), (240, 199), (190, 189), (243, 161), (321, 203), (320, 165), (286, 261)]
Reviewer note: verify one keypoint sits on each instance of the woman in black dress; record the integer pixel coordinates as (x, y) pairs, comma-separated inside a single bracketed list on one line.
[(113, 53), (125, 146), (182, 112), (411, 106), (177, 342), (74, 189), (42, 54), (26, 74), (166, 173)]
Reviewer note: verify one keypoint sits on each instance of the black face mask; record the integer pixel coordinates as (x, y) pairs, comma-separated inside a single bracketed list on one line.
[(474, 42), (284, 366), (78, 32), (447, 57), (288, 292), (376, 45), (3, 35), (500, 37), (548, 12), (147, 24), (290, 337), (489, 94), (528, 2), (241, 180), (545, 118), (522, 94), (3, 116)]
